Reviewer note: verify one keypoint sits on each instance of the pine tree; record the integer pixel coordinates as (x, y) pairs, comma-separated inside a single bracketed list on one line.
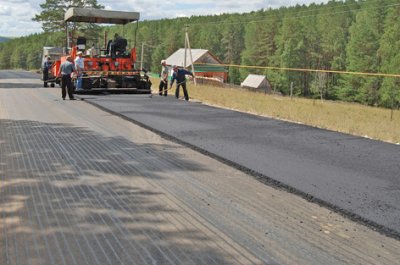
[(362, 56), (333, 31), (52, 15), (18, 58), (260, 42), (233, 45), (390, 58), (292, 53), (5, 55)]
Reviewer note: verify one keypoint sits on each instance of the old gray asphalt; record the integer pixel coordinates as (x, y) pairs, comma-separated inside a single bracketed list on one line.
[(358, 176)]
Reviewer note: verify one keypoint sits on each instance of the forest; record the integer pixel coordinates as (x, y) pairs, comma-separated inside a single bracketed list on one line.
[(352, 36), (4, 39)]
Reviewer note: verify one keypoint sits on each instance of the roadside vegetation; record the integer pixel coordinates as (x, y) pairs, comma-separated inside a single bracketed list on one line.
[(4, 39), (351, 118)]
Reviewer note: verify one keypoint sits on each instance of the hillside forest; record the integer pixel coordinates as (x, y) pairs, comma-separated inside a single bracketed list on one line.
[(353, 36)]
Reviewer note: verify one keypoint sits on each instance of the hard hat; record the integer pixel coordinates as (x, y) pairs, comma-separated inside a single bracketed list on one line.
[(78, 53), (163, 61), (174, 67)]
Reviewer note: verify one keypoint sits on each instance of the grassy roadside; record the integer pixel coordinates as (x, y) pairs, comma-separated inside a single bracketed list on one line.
[(343, 117)]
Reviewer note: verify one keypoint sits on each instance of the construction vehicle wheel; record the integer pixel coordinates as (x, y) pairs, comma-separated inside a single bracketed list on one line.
[(52, 84)]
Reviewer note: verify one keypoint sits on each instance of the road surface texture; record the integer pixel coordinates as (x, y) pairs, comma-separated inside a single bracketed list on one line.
[(356, 176), (81, 186)]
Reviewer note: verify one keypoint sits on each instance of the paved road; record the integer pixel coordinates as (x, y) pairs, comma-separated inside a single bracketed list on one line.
[(355, 175), (81, 186), (358, 176)]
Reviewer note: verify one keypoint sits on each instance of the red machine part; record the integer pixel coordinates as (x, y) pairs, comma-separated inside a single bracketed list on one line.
[(96, 65)]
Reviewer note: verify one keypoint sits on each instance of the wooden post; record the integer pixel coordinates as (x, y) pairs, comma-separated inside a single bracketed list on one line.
[(391, 114), (392, 96), (184, 60), (141, 57), (105, 40), (187, 43), (65, 52), (291, 90)]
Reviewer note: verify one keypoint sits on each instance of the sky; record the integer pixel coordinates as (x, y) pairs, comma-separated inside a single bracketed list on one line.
[(16, 15)]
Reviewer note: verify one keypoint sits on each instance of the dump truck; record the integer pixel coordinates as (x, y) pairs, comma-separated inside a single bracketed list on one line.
[(111, 68), (55, 54)]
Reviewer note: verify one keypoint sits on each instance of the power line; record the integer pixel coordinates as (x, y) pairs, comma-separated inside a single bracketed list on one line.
[(303, 70)]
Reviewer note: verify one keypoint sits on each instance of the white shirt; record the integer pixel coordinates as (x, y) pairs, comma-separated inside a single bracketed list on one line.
[(164, 73), (79, 63)]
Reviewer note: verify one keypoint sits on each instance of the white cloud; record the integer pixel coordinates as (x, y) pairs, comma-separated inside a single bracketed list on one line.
[(5, 11), (23, 11), (16, 17)]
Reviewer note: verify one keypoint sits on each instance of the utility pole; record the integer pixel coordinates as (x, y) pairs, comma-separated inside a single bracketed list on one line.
[(141, 57), (66, 39), (186, 32), (187, 46), (291, 90)]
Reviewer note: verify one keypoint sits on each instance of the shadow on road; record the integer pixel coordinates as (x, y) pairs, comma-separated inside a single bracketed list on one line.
[(71, 196), (21, 85)]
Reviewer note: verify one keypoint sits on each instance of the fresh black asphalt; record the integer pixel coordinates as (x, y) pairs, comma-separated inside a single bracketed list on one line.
[(355, 176)]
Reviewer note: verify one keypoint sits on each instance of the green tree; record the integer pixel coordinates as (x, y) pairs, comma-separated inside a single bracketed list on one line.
[(18, 58), (174, 40), (208, 38), (260, 43), (334, 31), (389, 56), (5, 56), (52, 16), (292, 53), (233, 43), (362, 55)]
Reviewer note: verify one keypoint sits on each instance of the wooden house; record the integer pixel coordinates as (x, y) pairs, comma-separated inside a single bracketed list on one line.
[(205, 63), (257, 82)]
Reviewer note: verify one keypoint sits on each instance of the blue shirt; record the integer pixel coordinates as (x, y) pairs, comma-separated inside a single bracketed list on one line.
[(46, 65), (180, 76)]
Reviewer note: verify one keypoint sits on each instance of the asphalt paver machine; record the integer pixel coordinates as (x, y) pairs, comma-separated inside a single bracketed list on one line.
[(112, 67)]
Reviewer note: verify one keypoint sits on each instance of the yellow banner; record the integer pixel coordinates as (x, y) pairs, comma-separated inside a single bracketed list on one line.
[(109, 73)]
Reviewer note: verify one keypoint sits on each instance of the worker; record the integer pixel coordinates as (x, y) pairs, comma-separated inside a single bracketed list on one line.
[(79, 66), (46, 67), (180, 76), (163, 87), (66, 69), (92, 52), (111, 46)]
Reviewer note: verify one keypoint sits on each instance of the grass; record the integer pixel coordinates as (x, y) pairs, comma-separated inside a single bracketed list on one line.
[(350, 118)]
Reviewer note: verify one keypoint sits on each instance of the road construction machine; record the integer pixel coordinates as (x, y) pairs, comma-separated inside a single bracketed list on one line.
[(111, 68), (50, 54)]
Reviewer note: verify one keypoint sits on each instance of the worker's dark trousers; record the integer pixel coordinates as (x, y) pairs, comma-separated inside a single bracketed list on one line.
[(185, 93), (163, 87), (45, 76), (67, 83)]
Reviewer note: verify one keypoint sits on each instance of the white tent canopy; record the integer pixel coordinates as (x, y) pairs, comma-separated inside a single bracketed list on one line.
[(92, 15)]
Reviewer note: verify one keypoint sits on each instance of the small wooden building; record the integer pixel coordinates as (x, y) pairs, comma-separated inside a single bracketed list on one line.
[(257, 82), (205, 63)]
